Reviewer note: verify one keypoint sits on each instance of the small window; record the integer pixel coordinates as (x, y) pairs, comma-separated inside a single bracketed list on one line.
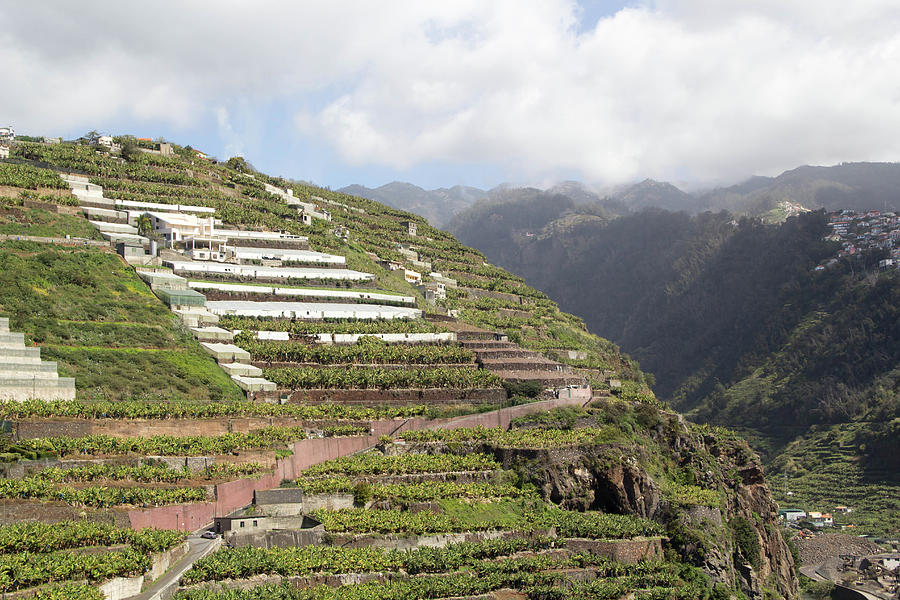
[(255, 523), (242, 523)]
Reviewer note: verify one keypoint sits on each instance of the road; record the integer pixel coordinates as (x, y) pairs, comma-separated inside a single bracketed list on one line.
[(199, 547)]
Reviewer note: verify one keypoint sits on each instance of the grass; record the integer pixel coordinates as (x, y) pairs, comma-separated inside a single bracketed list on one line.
[(43, 223), (103, 325)]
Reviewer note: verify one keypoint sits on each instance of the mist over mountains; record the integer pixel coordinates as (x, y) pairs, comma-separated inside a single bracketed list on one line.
[(847, 185)]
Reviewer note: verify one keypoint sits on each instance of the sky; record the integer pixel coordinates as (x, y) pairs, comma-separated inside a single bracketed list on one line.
[(697, 92)]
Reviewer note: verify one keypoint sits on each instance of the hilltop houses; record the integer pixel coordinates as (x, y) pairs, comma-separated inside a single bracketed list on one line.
[(7, 134), (862, 231)]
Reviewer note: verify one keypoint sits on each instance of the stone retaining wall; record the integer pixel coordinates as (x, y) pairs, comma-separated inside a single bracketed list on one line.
[(236, 494)]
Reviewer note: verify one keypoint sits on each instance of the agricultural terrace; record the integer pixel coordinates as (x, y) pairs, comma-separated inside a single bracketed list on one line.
[(36, 554), (90, 312)]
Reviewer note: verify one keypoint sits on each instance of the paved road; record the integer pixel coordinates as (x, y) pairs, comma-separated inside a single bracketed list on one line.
[(199, 548)]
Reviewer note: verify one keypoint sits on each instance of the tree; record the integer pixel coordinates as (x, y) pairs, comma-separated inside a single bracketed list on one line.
[(130, 150), (144, 225)]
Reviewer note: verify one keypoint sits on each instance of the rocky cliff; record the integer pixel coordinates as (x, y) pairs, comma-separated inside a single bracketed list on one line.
[(704, 484)]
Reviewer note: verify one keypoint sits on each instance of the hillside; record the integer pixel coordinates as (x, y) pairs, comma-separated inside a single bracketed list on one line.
[(280, 330), (738, 329)]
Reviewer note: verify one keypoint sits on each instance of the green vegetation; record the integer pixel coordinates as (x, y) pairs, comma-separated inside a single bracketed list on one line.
[(380, 378), (539, 577), (146, 473), (240, 563), (34, 553), (184, 409), (368, 350), (373, 463), (99, 496), (43, 223), (165, 445), (518, 438), (70, 299), (32, 178), (411, 492)]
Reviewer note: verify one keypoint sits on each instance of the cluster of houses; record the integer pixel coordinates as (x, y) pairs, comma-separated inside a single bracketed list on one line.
[(869, 230), (798, 517)]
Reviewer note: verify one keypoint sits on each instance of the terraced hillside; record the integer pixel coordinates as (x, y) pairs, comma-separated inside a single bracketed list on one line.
[(286, 339)]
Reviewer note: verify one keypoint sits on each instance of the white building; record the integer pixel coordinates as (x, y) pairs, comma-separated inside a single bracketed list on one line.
[(105, 140), (310, 310), (234, 235), (413, 277), (4, 152), (266, 273), (176, 227), (7, 133), (286, 255)]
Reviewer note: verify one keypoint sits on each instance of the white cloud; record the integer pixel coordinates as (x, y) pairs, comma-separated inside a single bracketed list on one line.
[(704, 90)]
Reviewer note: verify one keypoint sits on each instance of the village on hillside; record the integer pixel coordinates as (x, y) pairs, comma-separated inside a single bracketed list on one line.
[(864, 231)]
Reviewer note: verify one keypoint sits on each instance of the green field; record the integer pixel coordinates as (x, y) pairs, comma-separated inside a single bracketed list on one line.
[(92, 314)]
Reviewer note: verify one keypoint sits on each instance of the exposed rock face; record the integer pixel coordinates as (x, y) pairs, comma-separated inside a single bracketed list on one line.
[(631, 480)]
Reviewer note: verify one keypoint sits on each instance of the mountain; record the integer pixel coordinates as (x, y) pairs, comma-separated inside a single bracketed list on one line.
[(657, 194), (858, 186), (437, 206), (738, 329)]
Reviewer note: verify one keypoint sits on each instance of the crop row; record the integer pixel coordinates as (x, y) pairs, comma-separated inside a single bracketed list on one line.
[(412, 492), (182, 409), (366, 351), (568, 524), (145, 473), (373, 463), (239, 563), (379, 378), (26, 176), (35, 536), (515, 438), (166, 445), (100, 496), (26, 569), (531, 575), (301, 328)]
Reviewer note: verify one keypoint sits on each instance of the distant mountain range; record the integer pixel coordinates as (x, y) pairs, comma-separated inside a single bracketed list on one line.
[(847, 185), (438, 206)]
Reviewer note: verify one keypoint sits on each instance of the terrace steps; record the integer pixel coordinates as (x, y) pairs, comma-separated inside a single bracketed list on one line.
[(23, 376)]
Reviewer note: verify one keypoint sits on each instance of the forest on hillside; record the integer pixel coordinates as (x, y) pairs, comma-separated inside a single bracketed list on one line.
[(727, 313)]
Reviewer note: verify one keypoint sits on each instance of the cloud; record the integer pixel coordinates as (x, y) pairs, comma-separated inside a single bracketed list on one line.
[(702, 90)]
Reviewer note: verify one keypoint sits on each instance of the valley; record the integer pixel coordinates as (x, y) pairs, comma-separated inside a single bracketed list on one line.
[(348, 401)]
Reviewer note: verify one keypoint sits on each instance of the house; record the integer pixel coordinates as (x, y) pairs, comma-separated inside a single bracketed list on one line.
[(819, 519), (413, 277), (791, 515), (844, 510), (133, 253), (176, 227), (279, 508), (411, 227), (390, 265), (4, 151), (447, 281), (433, 291), (105, 140), (7, 133)]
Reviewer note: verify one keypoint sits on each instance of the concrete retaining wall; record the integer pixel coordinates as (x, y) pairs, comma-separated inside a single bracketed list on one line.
[(122, 587)]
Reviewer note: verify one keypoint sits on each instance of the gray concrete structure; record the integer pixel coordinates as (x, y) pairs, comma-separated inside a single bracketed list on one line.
[(23, 376)]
